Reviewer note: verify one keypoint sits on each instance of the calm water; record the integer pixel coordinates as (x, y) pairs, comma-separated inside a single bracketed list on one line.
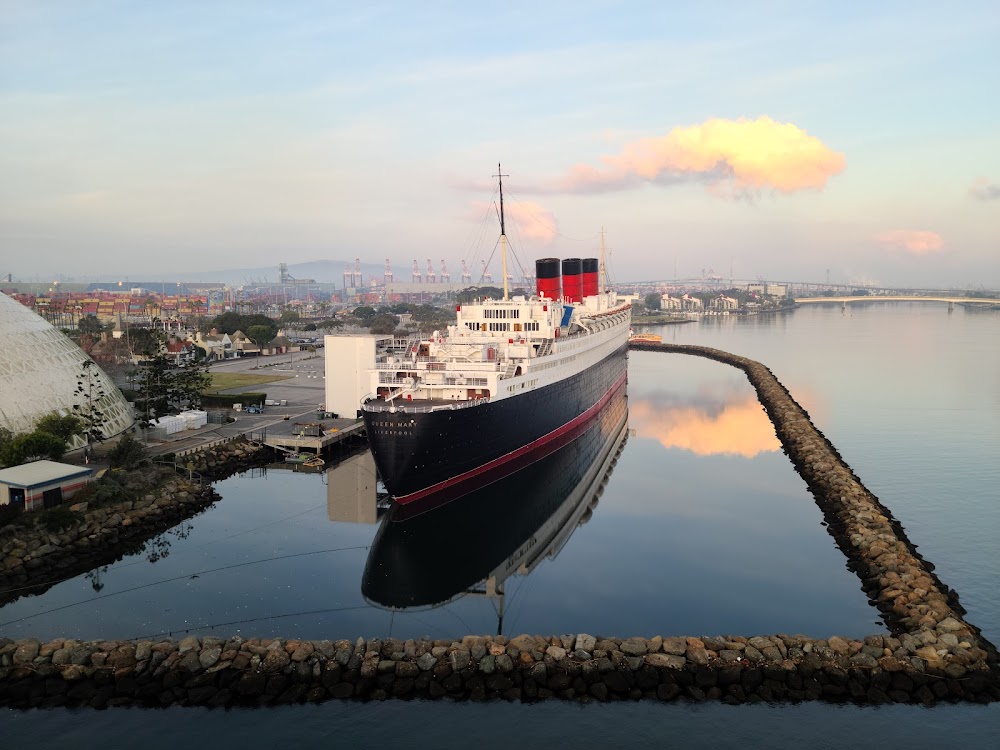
[(702, 527)]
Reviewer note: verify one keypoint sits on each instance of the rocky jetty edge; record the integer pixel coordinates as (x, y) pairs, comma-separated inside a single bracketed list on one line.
[(932, 654)]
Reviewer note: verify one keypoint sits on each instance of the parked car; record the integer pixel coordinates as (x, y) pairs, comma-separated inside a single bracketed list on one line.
[(254, 409)]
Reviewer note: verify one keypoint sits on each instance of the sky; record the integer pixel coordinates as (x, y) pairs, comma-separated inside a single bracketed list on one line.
[(799, 141)]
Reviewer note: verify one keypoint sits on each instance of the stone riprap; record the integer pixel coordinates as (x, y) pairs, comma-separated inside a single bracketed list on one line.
[(260, 672), (931, 654), (222, 461)]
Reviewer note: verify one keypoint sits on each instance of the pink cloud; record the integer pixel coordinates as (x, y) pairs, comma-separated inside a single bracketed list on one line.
[(735, 157), (911, 241), (531, 221)]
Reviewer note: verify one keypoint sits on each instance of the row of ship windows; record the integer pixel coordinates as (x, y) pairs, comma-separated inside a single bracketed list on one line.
[(557, 363), (522, 386), (518, 327), (501, 313)]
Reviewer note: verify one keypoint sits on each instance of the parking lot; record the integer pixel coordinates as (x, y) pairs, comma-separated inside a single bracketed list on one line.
[(302, 390)]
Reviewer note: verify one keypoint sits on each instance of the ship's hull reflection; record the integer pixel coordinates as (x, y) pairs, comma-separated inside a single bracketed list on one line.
[(472, 544)]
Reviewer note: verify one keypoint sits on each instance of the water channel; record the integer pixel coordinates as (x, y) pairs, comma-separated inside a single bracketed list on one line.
[(686, 520)]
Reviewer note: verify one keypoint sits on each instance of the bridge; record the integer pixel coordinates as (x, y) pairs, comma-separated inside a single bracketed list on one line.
[(899, 298)]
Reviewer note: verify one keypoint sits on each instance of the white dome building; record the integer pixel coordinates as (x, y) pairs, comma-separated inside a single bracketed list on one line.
[(39, 370)]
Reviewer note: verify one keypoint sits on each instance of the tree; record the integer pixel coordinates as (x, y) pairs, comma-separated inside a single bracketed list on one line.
[(6, 436), (289, 316), (31, 446), (128, 453), (187, 386), (89, 393), (260, 335), (479, 292), (144, 341), (230, 322), (365, 314), (384, 323), (65, 427), (153, 383), (652, 301), (90, 325)]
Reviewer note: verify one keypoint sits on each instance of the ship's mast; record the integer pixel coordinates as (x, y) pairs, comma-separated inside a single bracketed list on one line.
[(503, 237), (603, 275)]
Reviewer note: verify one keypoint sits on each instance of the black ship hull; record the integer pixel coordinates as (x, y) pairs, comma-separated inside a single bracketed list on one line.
[(436, 557), (450, 452)]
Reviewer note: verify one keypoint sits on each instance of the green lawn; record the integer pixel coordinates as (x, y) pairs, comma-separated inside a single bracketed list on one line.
[(224, 381)]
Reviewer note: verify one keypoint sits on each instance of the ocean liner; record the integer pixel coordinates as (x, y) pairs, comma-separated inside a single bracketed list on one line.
[(435, 558), (510, 382)]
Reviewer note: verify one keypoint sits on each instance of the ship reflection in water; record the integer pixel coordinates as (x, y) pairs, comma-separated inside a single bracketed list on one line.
[(473, 544)]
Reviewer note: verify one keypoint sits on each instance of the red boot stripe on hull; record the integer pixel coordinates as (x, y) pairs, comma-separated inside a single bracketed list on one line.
[(543, 446)]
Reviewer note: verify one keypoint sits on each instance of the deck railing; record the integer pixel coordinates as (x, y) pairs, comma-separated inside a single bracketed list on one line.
[(409, 407)]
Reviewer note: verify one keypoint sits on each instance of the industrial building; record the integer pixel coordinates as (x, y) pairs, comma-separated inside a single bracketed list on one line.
[(41, 484)]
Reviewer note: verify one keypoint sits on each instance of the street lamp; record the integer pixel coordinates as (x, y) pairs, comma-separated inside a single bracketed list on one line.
[(258, 351)]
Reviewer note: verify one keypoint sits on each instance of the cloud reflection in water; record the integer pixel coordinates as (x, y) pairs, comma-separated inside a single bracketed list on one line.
[(717, 424)]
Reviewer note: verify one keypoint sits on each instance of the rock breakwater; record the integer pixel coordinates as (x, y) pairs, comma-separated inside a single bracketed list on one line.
[(231, 672)]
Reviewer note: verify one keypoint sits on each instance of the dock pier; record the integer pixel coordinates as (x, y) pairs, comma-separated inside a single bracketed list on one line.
[(292, 437)]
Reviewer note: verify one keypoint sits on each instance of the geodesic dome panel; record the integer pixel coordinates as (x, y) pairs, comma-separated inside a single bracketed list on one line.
[(39, 370)]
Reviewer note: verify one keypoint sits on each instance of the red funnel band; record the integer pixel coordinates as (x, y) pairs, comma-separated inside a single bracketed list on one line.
[(550, 288), (572, 288), (590, 287)]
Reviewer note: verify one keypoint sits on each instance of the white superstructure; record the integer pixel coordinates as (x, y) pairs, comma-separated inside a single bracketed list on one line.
[(497, 349)]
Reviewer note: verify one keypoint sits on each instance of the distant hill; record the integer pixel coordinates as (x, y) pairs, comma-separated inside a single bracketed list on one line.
[(322, 271)]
